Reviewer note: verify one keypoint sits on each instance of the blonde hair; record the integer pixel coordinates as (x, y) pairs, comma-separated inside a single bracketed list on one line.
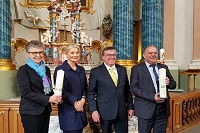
[(72, 45)]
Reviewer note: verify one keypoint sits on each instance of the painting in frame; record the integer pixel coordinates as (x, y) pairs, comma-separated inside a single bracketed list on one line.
[(86, 5)]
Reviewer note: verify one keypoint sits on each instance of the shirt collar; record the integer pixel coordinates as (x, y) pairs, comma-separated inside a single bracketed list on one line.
[(108, 67), (148, 65)]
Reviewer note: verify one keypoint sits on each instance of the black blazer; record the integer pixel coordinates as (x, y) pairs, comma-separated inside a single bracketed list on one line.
[(33, 99), (142, 87), (111, 100)]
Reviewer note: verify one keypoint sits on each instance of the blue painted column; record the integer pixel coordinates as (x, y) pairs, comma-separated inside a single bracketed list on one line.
[(8, 87), (123, 28), (5, 39), (152, 23)]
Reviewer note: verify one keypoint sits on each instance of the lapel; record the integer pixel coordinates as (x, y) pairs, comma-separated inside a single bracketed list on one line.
[(159, 66), (107, 74), (146, 71), (35, 76), (147, 74), (119, 73)]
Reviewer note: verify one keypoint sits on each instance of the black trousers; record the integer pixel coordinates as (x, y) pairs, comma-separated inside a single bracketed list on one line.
[(36, 123), (120, 125), (158, 122)]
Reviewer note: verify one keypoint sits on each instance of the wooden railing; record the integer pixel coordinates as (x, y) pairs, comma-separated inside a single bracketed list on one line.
[(185, 110)]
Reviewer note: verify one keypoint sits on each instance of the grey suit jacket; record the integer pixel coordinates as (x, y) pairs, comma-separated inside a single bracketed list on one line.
[(104, 97), (141, 85)]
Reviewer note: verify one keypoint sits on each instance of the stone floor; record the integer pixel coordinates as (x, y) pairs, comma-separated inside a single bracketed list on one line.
[(55, 128)]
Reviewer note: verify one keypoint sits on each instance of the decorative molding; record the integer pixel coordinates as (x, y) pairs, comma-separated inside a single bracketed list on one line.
[(18, 43), (7, 64), (195, 64), (35, 4)]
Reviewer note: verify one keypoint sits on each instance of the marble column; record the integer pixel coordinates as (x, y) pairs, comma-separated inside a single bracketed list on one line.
[(123, 31), (152, 23), (7, 68)]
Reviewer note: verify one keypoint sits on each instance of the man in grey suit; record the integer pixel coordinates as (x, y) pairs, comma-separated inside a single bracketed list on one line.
[(109, 97), (152, 111)]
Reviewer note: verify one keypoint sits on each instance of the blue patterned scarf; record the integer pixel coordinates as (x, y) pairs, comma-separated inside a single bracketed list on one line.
[(41, 70)]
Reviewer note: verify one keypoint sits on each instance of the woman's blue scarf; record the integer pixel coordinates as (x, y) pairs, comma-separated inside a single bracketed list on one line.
[(41, 70)]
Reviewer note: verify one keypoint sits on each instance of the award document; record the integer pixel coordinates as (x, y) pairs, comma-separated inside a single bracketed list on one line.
[(162, 83), (59, 82)]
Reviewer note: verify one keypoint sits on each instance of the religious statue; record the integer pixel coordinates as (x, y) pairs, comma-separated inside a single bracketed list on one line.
[(46, 37)]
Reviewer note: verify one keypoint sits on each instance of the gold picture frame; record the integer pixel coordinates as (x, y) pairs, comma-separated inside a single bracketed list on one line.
[(87, 7)]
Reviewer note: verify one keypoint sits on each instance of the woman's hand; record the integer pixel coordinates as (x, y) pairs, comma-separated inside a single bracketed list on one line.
[(55, 99), (78, 105)]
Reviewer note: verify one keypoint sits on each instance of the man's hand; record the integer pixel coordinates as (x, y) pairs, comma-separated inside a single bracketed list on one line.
[(167, 81), (157, 99), (96, 116)]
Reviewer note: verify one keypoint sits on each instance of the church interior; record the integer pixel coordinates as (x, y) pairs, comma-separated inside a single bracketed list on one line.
[(173, 26)]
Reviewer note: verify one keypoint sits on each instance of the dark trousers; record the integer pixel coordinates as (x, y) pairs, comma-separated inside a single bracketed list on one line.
[(158, 122), (120, 125), (76, 131), (36, 123)]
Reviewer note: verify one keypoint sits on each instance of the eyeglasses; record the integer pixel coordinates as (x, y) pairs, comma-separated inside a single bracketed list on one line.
[(110, 55), (36, 53)]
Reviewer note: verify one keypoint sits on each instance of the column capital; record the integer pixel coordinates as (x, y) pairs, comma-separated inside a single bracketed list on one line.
[(126, 63)]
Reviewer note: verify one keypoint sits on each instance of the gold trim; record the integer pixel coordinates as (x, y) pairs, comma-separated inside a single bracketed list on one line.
[(32, 4), (127, 63), (7, 64), (18, 43)]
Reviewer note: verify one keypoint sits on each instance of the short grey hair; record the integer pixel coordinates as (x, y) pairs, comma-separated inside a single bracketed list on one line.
[(106, 49), (34, 44)]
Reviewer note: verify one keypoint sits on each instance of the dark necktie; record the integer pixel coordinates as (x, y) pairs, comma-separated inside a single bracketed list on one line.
[(156, 76)]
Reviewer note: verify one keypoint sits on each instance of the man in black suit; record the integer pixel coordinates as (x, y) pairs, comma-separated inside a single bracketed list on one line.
[(152, 111), (109, 97)]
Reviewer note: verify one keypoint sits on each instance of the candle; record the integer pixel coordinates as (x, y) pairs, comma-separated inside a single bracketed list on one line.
[(90, 41), (162, 83), (55, 52), (59, 82), (82, 36), (162, 55)]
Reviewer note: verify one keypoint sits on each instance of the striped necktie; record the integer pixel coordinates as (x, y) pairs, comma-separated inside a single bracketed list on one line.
[(113, 76)]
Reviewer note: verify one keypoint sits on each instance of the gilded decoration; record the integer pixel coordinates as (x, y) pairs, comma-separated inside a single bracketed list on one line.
[(7, 64), (87, 7), (18, 43), (127, 63)]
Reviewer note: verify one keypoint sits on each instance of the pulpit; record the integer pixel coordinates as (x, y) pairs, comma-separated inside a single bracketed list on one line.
[(191, 72)]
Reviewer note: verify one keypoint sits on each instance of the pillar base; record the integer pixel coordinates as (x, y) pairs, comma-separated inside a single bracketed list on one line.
[(7, 64), (127, 63)]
